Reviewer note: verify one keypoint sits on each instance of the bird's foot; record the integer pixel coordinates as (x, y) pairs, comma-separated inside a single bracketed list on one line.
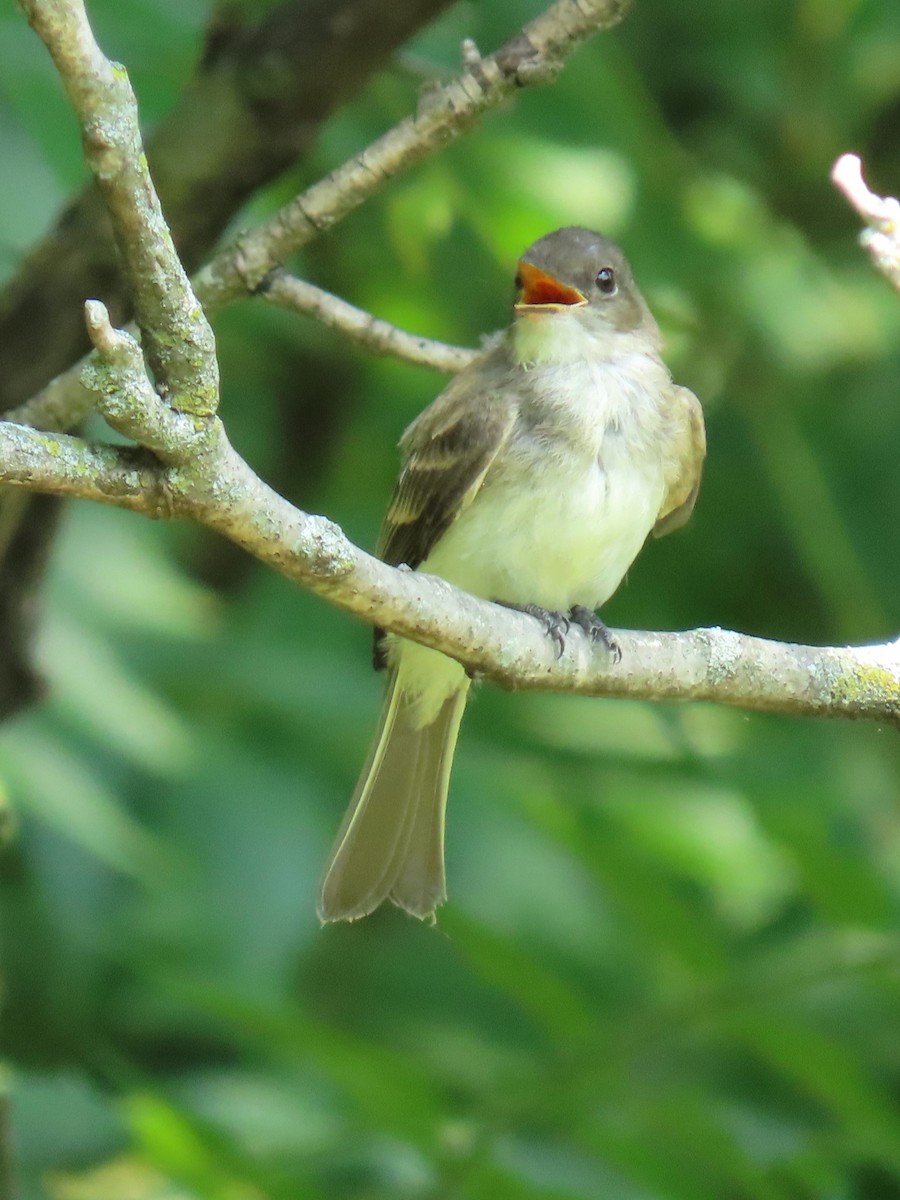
[(596, 630), (556, 624)]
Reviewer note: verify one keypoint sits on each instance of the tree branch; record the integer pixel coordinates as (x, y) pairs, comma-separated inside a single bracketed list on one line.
[(533, 56), (58, 464), (178, 340), (881, 214), (205, 479), (376, 335)]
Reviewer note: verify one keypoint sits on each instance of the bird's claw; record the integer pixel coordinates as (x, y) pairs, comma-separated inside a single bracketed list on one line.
[(556, 624), (596, 630)]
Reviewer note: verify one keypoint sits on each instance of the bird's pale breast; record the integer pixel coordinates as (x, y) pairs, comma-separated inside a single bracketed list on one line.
[(567, 508)]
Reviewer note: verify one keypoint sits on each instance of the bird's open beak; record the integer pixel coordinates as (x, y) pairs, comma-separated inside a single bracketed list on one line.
[(538, 290)]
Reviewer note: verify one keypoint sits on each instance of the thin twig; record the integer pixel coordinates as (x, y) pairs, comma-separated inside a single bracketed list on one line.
[(381, 337), (881, 214)]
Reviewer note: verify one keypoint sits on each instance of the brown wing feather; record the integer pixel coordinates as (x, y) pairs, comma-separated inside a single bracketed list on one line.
[(688, 453), (449, 450)]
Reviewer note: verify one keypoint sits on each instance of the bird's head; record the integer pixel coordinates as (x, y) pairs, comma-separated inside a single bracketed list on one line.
[(578, 281)]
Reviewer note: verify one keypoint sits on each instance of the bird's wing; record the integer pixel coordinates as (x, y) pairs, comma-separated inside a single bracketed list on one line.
[(686, 462), (448, 451)]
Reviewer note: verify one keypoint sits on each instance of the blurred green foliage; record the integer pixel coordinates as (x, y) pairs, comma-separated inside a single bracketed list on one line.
[(669, 967)]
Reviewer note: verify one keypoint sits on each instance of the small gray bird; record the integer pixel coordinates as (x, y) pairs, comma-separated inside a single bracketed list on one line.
[(533, 480)]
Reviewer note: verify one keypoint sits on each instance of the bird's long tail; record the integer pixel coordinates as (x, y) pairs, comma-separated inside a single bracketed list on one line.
[(391, 842)]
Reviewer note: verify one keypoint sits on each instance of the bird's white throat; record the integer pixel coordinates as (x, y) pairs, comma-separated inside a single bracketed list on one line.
[(553, 338)]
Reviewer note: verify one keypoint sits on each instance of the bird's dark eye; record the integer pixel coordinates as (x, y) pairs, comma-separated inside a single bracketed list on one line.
[(606, 280), (520, 283)]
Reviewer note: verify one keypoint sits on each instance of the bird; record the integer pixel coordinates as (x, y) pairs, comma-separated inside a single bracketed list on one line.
[(532, 480)]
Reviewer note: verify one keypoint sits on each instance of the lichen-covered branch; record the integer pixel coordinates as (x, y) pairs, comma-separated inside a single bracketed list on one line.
[(381, 337), (881, 237), (61, 465), (203, 478)]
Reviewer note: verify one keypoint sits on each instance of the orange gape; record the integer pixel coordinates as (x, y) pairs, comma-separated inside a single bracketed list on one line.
[(537, 287)]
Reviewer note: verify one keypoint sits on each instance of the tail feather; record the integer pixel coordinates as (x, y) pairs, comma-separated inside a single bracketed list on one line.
[(420, 886), (391, 842)]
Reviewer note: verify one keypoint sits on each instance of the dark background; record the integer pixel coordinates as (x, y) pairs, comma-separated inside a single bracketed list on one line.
[(669, 965)]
